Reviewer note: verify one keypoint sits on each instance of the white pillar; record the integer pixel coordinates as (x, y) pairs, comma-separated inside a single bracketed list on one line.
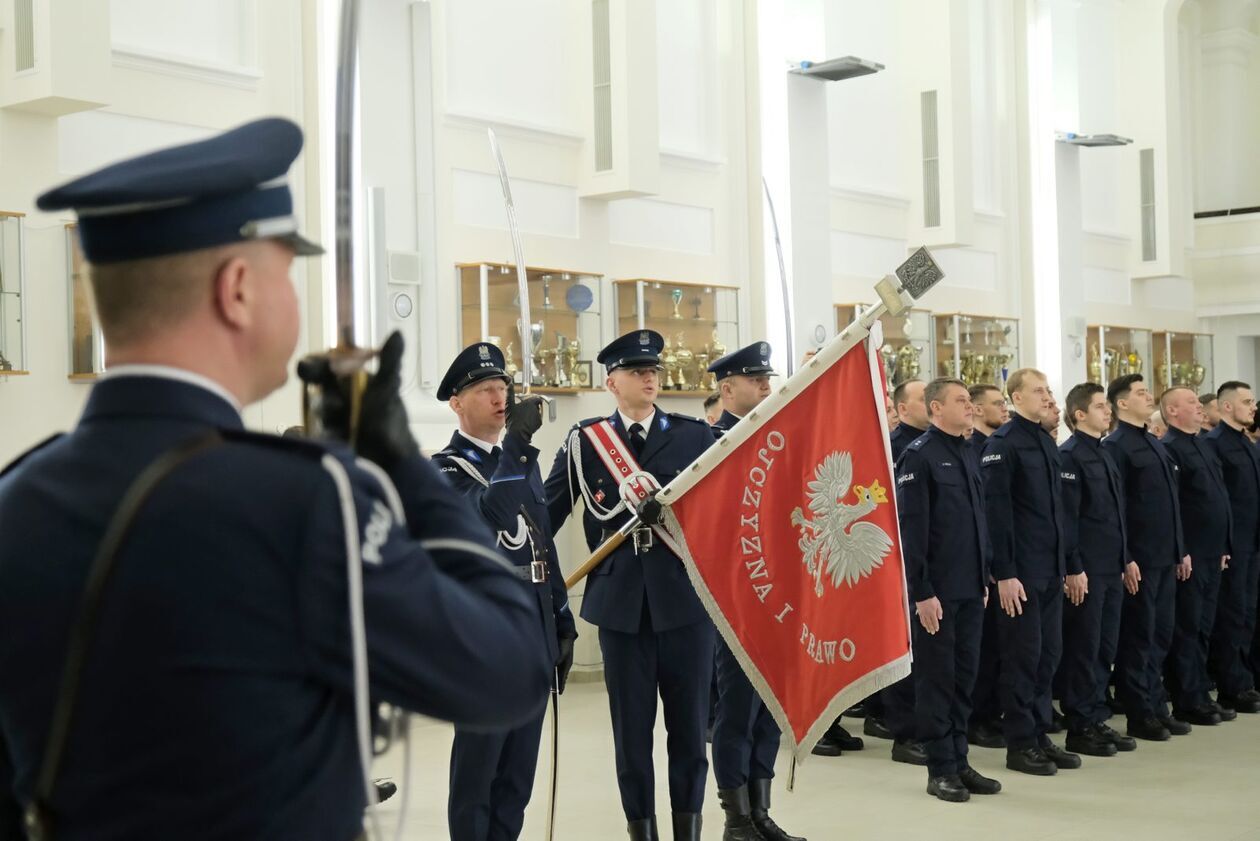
[(1228, 170)]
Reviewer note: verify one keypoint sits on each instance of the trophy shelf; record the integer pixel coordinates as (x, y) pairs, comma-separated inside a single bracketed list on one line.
[(1114, 351), (977, 349), (907, 352), (1182, 359), (13, 360)]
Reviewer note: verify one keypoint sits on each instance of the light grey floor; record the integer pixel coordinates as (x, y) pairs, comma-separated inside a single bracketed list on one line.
[(1202, 786)]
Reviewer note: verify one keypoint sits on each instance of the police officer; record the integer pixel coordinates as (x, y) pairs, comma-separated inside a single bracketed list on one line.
[(653, 631), (1235, 619), (990, 412), (1156, 550), (745, 736), (224, 660), (1094, 540), (1021, 471), (1211, 411), (1206, 524), (492, 773), (945, 543), (912, 414)]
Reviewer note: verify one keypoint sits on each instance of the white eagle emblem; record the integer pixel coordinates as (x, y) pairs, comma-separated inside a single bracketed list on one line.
[(833, 542)]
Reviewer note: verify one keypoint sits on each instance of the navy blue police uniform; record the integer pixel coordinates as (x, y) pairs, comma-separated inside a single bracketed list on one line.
[(492, 773), (986, 706), (1153, 517), (1236, 613), (221, 662), (945, 544), (1024, 505), (1207, 526), (654, 633), (1095, 543)]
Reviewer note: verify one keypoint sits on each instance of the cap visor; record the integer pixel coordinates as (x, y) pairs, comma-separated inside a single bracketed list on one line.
[(302, 246)]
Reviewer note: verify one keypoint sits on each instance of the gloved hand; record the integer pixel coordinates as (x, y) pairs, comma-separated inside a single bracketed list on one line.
[(524, 418), (649, 511), (564, 664), (384, 435)]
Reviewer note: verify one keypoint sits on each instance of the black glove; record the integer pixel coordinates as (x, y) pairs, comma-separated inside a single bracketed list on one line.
[(384, 436), (564, 663), (524, 418), (649, 511)]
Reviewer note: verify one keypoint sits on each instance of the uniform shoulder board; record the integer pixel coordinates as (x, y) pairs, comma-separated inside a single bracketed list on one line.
[(307, 447), (918, 443), (582, 424), (13, 465), (680, 416), (1001, 431)]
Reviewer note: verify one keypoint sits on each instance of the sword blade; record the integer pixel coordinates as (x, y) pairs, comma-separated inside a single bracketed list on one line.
[(518, 254), (347, 77), (788, 315), (555, 755)]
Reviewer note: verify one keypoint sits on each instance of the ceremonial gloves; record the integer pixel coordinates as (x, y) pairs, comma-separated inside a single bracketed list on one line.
[(564, 664), (649, 511), (523, 418)]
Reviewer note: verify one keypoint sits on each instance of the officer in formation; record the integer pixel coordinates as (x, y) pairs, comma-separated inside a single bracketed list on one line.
[(945, 544), (492, 773), (1020, 464), (1095, 545), (654, 633), (226, 656), (1211, 411), (912, 415), (745, 736)]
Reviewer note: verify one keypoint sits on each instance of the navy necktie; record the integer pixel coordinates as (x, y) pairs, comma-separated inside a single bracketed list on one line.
[(637, 438)]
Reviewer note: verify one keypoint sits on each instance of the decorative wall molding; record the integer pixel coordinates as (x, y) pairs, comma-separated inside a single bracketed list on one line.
[(1115, 237), (1106, 286), (542, 207), (148, 61), (681, 159), (509, 127), (865, 255), (868, 196), (662, 225), (1224, 310)]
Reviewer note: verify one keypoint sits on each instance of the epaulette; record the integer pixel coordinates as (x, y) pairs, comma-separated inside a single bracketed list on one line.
[(1002, 431), (918, 443), (32, 451), (681, 416), (582, 424), (307, 447)]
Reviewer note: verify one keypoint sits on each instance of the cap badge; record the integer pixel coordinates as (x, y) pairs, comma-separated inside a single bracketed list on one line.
[(483, 351), (643, 339)]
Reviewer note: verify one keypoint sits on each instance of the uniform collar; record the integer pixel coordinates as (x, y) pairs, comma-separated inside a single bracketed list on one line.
[(142, 395), (728, 418), (646, 423), (1034, 426), (169, 372), (911, 428), (484, 446), (1086, 439), (1125, 426), (1177, 433), (933, 429)]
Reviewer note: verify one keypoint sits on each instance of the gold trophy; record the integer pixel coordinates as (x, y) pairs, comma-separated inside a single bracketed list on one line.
[(1135, 362), (888, 354), (676, 296), (509, 364), (670, 363), (1095, 364), (684, 357), (908, 362), (1197, 373), (702, 374)]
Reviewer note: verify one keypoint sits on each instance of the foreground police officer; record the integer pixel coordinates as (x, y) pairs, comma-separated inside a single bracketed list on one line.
[(1235, 619), (217, 696), (1095, 543), (945, 543), (653, 631), (1025, 514), (1156, 546), (492, 773), (745, 737), (911, 412), (1207, 526)]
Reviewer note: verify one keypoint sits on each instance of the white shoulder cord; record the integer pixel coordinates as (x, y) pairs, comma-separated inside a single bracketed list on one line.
[(598, 511), (467, 467)]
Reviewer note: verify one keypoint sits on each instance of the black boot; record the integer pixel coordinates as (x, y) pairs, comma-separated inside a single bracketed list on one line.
[(643, 830), (759, 792), (739, 824), (686, 826)]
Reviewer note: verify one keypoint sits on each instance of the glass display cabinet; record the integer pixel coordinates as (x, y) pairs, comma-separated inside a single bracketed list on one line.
[(1115, 352), (87, 346), (700, 323), (13, 360), (1183, 359), (564, 307), (907, 351), (976, 348)]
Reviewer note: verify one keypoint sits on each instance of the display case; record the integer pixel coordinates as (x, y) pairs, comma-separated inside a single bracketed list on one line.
[(1182, 359), (564, 307), (87, 348), (700, 322), (1114, 352), (13, 361), (976, 348), (907, 349)]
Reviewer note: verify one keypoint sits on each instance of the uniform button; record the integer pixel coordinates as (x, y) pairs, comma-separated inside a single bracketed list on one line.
[(523, 459)]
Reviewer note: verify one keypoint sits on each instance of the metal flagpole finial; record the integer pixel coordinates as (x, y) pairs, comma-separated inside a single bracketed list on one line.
[(919, 273)]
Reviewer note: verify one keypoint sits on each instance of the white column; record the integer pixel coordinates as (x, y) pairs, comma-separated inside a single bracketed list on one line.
[(1228, 170)]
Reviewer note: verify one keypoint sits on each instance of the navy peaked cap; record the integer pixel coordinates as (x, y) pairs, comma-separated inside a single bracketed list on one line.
[(474, 364), (751, 361), (637, 349), (228, 188)]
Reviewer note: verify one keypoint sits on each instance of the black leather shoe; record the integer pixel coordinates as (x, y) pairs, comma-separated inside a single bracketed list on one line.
[(1090, 742), (977, 783), (984, 735), (1240, 704), (858, 710), (739, 824), (1030, 761), (1250, 695), (385, 789), (1225, 715), (1174, 725), (1060, 757), (827, 746), (643, 830), (1148, 728), (911, 753), (875, 728), (949, 788), (686, 826), (759, 792), (1122, 742), (1114, 705), (1057, 722), (1204, 714), (846, 740)]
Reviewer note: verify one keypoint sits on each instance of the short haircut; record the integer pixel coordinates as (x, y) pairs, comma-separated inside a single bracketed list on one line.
[(1078, 400), (1121, 386), (899, 393), (936, 389), (1016, 381), (135, 297), (1163, 398), (1206, 399), (1228, 388), (981, 389), (712, 400)]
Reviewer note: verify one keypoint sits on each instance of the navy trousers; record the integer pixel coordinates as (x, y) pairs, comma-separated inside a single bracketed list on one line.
[(944, 677), (677, 664), (1233, 633), (1091, 631), (745, 736), (1146, 632), (1031, 644), (492, 775), (1186, 680), (986, 704)]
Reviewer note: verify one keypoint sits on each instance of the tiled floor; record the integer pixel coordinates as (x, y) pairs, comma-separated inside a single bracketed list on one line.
[(1202, 786)]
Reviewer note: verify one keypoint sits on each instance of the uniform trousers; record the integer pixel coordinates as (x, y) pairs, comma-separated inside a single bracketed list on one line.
[(1186, 680), (1146, 632), (745, 736), (944, 677), (986, 705), (492, 775), (678, 664), (1091, 631), (1235, 627), (1031, 644)]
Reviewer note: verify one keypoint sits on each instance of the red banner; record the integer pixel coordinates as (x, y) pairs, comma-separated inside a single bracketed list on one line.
[(802, 570)]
